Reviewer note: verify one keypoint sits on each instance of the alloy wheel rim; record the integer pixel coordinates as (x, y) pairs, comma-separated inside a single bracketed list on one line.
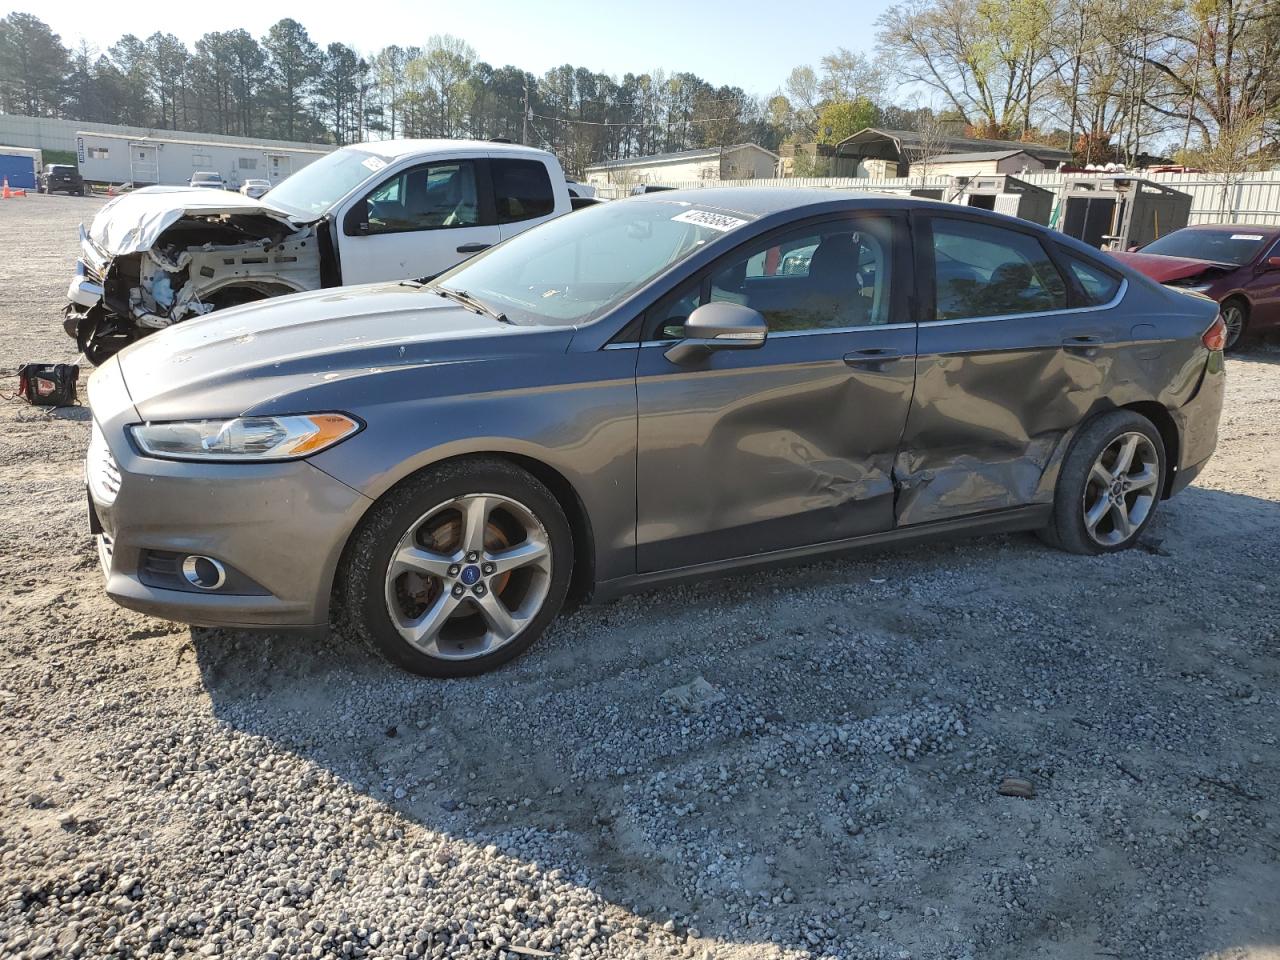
[(1121, 490), (468, 576), (1233, 320)]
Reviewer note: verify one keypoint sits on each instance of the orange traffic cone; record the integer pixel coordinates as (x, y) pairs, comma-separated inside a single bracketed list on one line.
[(6, 193), (111, 189)]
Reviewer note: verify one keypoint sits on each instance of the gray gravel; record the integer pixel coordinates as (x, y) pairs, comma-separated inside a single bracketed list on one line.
[(800, 763)]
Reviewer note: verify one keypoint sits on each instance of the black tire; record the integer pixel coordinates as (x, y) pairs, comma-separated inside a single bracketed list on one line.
[(1236, 332), (1068, 529), (361, 591), (100, 338)]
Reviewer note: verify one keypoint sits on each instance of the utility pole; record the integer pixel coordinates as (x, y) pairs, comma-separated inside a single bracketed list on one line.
[(524, 120)]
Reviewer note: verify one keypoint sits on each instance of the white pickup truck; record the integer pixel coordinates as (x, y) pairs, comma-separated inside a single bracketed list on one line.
[(386, 210)]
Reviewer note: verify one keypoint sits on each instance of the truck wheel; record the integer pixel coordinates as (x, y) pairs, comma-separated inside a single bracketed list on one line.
[(100, 339)]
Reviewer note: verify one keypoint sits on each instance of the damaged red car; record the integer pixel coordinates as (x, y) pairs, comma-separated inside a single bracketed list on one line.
[(1236, 264)]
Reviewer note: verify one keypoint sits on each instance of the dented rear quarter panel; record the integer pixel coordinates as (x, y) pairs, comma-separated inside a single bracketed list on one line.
[(997, 401)]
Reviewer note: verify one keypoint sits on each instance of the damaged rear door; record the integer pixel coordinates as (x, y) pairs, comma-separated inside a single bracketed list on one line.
[(1009, 361), (793, 443)]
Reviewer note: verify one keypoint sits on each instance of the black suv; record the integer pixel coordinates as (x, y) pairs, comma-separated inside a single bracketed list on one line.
[(63, 178)]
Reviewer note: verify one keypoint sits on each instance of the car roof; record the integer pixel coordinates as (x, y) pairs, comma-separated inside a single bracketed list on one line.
[(394, 149), (761, 201), (1269, 229)]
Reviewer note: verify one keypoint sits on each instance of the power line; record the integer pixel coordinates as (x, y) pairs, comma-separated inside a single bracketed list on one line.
[(625, 123)]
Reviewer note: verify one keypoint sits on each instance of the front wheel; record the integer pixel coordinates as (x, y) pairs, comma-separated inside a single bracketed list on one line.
[(459, 569), (1235, 317), (1109, 485)]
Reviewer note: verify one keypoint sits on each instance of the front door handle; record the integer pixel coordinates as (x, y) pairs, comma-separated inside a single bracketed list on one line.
[(474, 247), (872, 357), (1086, 345)]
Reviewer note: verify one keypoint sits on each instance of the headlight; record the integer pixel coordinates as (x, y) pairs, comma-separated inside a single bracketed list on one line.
[(244, 438)]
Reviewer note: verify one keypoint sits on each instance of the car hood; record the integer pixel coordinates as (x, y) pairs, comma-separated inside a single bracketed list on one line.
[(1165, 269), (237, 360), (132, 222)]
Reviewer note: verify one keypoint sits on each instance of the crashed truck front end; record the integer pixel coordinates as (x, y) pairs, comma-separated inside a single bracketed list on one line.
[(157, 257)]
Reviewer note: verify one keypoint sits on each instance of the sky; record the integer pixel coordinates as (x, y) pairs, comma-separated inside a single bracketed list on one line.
[(751, 44)]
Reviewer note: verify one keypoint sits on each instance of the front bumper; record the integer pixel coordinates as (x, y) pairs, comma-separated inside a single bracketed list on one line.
[(280, 527), (85, 289)]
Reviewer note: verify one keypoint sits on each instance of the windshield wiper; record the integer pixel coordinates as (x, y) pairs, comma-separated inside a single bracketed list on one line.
[(470, 302)]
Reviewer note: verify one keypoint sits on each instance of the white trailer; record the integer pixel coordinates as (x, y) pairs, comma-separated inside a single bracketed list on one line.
[(120, 158)]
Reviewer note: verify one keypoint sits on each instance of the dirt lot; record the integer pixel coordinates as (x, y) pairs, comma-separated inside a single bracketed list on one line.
[(832, 794)]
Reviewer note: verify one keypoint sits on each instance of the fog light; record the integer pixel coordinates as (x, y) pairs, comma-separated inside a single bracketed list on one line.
[(204, 572)]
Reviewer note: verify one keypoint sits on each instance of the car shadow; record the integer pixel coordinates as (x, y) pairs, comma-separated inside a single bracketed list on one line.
[(1262, 349), (831, 786)]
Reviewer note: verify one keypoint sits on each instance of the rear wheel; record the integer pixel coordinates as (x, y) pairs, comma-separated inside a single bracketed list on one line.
[(458, 570), (1235, 315), (1109, 485)]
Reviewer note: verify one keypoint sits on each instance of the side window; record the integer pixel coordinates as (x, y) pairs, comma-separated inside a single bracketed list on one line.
[(986, 271), (666, 318), (1099, 285), (815, 278), (788, 259), (521, 190), (436, 196)]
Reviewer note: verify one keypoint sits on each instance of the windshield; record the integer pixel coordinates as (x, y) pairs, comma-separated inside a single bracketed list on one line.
[(1237, 246), (320, 184), (578, 266)]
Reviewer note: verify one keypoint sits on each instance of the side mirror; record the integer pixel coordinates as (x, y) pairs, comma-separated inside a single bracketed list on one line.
[(356, 223), (1271, 263), (1134, 247), (719, 326)]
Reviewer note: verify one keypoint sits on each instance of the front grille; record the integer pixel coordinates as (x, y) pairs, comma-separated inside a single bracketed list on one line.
[(100, 468)]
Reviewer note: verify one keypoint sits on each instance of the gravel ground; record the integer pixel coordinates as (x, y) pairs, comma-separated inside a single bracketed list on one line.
[(800, 763)]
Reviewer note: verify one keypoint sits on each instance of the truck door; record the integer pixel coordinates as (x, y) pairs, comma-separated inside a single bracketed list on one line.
[(419, 222), (522, 194)]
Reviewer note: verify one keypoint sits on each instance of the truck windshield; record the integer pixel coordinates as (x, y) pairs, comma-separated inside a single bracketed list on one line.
[(576, 267), (319, 185)]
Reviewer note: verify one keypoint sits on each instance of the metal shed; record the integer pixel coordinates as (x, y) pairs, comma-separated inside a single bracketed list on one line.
[(20, 166), (1118, 211), (1004, 194)]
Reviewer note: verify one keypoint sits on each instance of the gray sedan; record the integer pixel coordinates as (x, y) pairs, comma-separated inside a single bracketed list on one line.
[(671, 386)]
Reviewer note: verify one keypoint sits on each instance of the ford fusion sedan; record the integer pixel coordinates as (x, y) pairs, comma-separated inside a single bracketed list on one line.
[(1237, 265), (670, 386)]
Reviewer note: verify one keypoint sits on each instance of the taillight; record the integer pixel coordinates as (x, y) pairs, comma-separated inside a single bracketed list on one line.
[(1215, 338)]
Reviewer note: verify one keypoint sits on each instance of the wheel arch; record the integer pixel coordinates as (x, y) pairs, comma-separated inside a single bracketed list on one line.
[(1167, 427), (581, 583)]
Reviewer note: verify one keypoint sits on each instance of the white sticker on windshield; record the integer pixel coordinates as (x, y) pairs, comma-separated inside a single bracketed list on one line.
[(373, 163), (712, 221), (1246, 236)]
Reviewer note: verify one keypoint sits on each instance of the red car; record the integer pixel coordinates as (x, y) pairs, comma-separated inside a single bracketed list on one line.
[(1236, 264)]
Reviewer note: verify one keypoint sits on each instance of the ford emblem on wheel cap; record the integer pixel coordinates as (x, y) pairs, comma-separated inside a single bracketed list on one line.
[(470, 575)]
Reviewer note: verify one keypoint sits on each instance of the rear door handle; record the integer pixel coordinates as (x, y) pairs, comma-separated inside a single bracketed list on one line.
[(871, 357), (474, 247), (1087, 345)]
